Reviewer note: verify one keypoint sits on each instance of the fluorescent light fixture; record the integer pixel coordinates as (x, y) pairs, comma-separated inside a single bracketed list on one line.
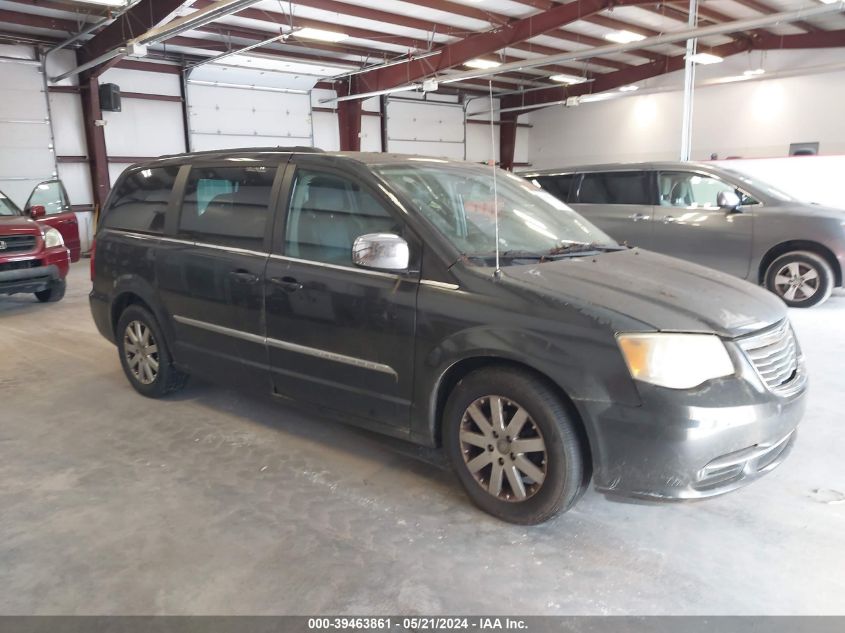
[(630, 88), (624, 37), (110, 3), (706, 58), (754, 73), (828, 1), (261, 62), (483, 64), (569, 80), (319, 35)]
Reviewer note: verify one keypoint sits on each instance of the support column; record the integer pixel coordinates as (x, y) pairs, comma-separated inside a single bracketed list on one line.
[(349, 117), (95, 138), (507, 139), (689, 85)]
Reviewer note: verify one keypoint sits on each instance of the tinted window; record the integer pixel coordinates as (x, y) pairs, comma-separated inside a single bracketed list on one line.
[(327, 213), (227, 205), (686, 189), (620, 187), (140, 203), (558, 186)]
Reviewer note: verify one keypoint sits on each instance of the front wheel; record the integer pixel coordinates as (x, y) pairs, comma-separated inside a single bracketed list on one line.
[(514, 445), (54, 292), (144, 356), (801, 278)]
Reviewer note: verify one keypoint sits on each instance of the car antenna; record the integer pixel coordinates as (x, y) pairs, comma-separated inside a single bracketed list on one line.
[(498, 272)]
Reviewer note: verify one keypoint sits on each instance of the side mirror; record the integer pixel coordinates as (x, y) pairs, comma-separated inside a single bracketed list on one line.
[(37, 211), (382, 251), (727, 200)]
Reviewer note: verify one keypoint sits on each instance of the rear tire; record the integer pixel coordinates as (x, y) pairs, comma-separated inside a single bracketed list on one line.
[(525, 465), (144, 356), (801, 279), (54, 292)]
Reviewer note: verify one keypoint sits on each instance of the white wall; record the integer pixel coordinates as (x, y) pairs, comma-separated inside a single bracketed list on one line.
[(748, 119)]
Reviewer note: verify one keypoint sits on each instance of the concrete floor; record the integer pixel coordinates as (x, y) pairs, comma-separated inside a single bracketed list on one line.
[(215, 502)]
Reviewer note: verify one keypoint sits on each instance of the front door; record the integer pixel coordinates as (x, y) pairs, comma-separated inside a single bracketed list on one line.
[(689, 224), (338, 335), (51, 195), (211, 275), (619, 202)]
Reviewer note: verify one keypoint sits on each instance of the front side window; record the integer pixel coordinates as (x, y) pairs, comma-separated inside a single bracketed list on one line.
[(690, 190), (140, 202), (459, 201), (229, 206), (50, 195), (327, 212), (615, 187)]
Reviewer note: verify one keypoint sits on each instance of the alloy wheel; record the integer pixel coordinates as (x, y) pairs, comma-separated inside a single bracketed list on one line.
[(797, 281), (503, 448), (141, 351)]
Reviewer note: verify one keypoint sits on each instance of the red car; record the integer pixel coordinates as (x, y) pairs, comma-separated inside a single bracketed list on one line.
[(33, 255)]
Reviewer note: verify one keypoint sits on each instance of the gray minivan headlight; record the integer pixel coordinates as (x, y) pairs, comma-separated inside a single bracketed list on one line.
[(676, 361)]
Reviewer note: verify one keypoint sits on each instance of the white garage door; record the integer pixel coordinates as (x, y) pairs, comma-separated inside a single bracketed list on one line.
[(27, 157), (427, 128)]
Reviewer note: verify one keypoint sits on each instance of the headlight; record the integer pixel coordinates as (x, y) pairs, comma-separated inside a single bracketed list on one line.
[(53, 238), (677, 361)]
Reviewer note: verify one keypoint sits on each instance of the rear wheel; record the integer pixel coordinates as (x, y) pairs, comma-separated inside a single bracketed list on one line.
[(801, 278), (514, 445), (54, 292), (144, 356)]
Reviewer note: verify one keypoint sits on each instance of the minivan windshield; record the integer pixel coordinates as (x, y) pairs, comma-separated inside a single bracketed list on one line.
[(458, 199)]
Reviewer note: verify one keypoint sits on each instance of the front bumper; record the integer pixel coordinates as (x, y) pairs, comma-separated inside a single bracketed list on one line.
[(28, 279), (692, 444)]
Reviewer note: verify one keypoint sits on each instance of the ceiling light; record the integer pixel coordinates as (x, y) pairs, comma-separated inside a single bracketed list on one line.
[(631, 88), (111, 3), (569, 80), (482, 63), (829, 1), (753, 73), (320, 35), (706, 58), (624, 37)]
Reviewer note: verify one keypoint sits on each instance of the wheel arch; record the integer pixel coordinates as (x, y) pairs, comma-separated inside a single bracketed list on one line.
[(135, 292), (457, 370), (800, 245)]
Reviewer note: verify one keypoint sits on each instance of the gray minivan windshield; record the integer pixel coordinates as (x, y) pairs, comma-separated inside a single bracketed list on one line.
[(458, 199)]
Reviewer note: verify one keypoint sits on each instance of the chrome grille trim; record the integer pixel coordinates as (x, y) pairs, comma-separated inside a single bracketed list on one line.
[(775, 356)]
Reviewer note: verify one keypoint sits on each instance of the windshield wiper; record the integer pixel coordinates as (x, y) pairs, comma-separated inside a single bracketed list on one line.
[(581, 248)]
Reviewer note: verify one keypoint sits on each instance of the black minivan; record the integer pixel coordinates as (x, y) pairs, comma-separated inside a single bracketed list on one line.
[(448, 304)]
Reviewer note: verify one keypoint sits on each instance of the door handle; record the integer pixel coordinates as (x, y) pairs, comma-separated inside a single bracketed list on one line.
[(288, 284), (637, 217), (668, 219), (243, 277)]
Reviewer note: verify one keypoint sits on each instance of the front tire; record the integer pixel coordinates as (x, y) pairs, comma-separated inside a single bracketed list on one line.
[(514, 445), (54, 292), (144, 356), (801, 279)]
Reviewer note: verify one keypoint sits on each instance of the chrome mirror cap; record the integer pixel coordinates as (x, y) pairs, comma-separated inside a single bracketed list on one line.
[(382, 251), (727, 199)]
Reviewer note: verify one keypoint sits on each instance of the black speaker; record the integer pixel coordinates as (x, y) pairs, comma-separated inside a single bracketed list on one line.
[(110, 98)]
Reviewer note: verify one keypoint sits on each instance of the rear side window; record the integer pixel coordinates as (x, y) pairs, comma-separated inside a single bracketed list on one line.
[(228, 205), (558, 186), (618, 187), (140, 203)]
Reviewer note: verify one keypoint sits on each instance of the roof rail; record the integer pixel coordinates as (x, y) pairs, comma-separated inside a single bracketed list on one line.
[(298, 149)]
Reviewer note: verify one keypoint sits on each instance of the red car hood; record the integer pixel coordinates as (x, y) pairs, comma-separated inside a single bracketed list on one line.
[(18, 225)]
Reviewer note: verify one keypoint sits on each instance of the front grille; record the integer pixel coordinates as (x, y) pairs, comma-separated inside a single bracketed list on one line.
[(774, 354), (16, 243), (23, 265)]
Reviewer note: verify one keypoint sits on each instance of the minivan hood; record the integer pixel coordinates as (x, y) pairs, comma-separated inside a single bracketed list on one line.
[(663, 293)]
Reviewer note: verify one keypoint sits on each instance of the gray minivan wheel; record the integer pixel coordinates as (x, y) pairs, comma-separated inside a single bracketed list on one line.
[(514, 445), (801, 278), (144, 356)]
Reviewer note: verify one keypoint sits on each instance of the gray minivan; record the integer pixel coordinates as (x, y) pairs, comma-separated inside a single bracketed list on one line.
[(712, 216)]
